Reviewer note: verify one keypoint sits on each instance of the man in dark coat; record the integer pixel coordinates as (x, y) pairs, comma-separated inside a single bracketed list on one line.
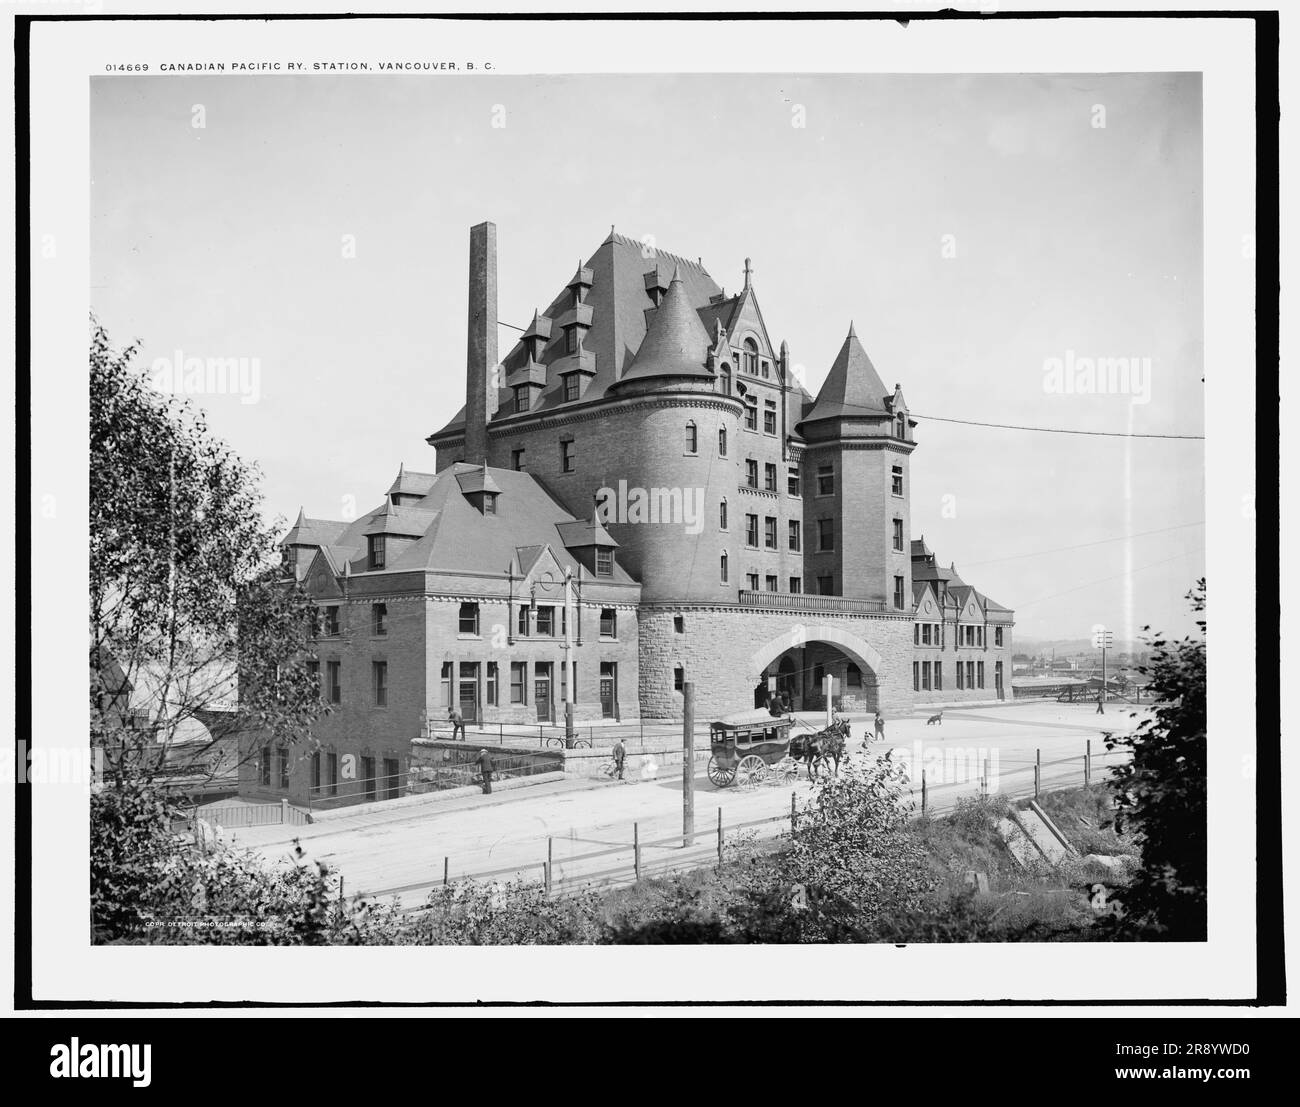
[(620, 752), (457, 723), (485, 768)]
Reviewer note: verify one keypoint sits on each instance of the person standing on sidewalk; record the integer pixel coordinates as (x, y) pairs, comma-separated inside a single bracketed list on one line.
[(457, 723), (620, 752), (880, 726), (485, 768)]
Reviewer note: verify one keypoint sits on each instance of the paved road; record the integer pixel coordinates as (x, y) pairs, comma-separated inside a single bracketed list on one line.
[(385, 851)]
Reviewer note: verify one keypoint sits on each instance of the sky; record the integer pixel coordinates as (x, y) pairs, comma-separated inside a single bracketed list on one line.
[(983, 234)]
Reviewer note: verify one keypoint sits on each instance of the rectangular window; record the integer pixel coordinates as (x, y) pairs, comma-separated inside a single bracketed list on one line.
[(898, 535), (692, 438), (517, 460), (469, 618), (825, 480), (792, 480), (769, 477), (751, 530), (751, 413), (722, 515), (490, 689), (518, 681), (722, 568), (446, 684), (722, 441), (489, 503), (523, 397), (769, 415), (961, 682), (334, 681), (771, 583), (826, 534), (796, 585), (751, 581), (379, 670), (282, 761), (997, 637), (264, 770), (604, 562), (315, 772), (572, 387), (379, 618), (679, 678), (916, 676), (568, 458), (925, 634), (898, 593), (679, 624), (916, 634), (751, 472), (332, 773), (925, 676), (970, 674), (331, 622), (979, 670), (826, 586), (546, 621), (794, 535), (608, 622), (376, 551), (769, 532), (938, 676), (571, 340), (896, 480), (521, 627)]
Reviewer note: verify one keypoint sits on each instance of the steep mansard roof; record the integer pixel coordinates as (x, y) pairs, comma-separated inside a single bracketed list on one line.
[(676, 343), (450, 534)]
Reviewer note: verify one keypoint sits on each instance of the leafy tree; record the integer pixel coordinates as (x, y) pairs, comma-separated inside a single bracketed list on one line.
[(1160, 794), (853, 856), (187, 593)]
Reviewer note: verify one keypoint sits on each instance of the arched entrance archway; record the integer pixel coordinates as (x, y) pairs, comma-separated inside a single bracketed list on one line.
[(801, 657)]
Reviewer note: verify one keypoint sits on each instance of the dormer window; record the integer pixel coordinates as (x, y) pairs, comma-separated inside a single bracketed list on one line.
[(489, 503), (572, 387), (523, 397), (604, 562), (572, 340), (900, 427), (376, 551)]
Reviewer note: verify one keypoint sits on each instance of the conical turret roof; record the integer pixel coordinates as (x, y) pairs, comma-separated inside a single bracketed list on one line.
[(852, 388), (676, 343)]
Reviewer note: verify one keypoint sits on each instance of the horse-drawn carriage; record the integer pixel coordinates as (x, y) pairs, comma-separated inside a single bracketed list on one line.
[(745, 746), (755, 747)]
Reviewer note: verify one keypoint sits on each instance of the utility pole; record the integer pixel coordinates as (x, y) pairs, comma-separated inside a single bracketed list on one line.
[(570, 663), (688, 764), (1102, 639)]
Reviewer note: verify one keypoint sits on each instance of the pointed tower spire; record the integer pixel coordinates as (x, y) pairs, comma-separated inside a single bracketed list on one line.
[(852, 388), (676, 343)]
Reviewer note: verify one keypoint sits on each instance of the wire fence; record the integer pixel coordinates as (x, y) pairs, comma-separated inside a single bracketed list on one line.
[(627, 862), (459, 769)]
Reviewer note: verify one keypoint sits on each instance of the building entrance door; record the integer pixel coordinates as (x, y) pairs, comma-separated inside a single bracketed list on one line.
[(542, 693), (608, 690)]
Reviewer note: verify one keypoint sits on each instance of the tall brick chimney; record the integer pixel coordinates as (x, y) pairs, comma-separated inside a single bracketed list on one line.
[(481, 350)]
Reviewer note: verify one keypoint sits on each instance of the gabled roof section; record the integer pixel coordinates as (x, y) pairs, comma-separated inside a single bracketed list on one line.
[(478, 479), (852, 389), (410, 483), (313, 532), (676, 344)]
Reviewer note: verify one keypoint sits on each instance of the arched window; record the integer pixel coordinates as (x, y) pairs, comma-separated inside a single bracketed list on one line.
[(722, 564), (725, 378), (751, 357), (722, 523), (722, 441), (692, 439)]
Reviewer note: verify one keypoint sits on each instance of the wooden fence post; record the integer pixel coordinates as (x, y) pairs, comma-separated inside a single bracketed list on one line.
[(550, 862), (446, 871), (719, 835), (1038, 771), (923, 797), (1087, 762), (546, 876), (792, 815), (636, 849)]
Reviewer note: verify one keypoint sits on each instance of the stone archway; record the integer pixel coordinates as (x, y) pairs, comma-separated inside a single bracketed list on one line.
[(858, 650)]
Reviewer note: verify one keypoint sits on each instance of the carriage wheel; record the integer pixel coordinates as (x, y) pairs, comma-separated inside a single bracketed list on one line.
[(751, 771), (720, 777)]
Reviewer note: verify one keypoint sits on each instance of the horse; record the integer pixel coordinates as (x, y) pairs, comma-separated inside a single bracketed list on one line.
[(815, 749)]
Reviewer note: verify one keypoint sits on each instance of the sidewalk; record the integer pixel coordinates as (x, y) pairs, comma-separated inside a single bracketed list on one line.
[(428, 805)]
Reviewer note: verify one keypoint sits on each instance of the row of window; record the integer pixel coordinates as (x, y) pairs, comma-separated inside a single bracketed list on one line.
[(970, 674), (969, 634), (465, 675), (543, 621)]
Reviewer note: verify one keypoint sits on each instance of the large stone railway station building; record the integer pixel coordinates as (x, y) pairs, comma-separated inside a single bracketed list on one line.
[(638, 494)]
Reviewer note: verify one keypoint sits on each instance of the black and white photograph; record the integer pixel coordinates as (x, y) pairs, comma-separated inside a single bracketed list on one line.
[(612, 485)]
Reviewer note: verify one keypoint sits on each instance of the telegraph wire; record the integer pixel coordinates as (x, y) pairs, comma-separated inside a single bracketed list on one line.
[(1082, 545)]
